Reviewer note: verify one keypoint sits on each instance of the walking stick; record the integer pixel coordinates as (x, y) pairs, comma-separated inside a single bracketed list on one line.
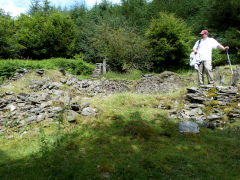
[(229, 61)]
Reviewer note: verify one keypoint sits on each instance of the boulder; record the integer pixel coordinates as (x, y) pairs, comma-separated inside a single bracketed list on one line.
[(188, 126)]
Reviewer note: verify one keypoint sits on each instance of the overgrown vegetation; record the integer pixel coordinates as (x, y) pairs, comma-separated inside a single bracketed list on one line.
[(75, 66), (129, 35)]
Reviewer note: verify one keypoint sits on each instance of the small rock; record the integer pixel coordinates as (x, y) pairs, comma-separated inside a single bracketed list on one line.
[(57, 109), (31, 119), (214, 117), (41, 117), (85, 105), (72, 116), (188, 126), (10, 137), (45, 104), (89, 111), (40, 72), (64, 81), (11, 107), (9, 93)]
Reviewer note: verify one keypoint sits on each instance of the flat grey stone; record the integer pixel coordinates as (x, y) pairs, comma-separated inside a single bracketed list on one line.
[(45, 104), (72, 116), (188, 126), (193, 90), (214, 117), (57, 109), (41, 117), (89, 111), (31, 119), (85, 105)]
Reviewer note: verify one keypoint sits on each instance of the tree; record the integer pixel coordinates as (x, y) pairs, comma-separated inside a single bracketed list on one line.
[(40, 6), (9, 46), (46, 36), (123, 49), (169, 40), (224, 14)]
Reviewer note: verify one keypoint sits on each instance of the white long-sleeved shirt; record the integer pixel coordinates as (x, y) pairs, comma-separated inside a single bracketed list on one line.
[(205, 48)]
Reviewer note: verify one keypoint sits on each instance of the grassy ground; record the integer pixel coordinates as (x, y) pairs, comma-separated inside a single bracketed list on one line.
[(129, 139)]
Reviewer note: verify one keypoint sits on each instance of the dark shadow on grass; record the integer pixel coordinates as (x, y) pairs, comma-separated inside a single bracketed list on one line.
[(133, 149)]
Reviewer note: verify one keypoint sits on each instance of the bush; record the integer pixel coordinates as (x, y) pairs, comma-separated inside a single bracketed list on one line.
[(218, 58), (74, 66), (46, 36), (122, 48), (169, 39)]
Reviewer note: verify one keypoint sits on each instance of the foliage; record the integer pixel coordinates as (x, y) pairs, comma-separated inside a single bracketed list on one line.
[(169, 40), (40, 6), (122, 49), (224, 14), (8, 44), (74, 66), (46, 36), (218, 58), (46, 31)]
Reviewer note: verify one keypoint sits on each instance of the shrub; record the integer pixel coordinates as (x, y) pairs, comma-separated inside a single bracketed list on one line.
[(218, 58), (45, 36), (74, 66), (169, 39), (123, 49)]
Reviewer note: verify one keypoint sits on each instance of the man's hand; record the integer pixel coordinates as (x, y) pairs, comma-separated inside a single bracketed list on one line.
[(226, 48), (195, 51)]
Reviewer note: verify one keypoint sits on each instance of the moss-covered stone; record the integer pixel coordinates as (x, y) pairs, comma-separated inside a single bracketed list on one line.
[(212, 92)]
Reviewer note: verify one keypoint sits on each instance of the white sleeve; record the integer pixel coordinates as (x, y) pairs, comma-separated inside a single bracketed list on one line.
[(215, 44), (196, 45)]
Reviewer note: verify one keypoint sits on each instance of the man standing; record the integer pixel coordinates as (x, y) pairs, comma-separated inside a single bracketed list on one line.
[(204, 48)]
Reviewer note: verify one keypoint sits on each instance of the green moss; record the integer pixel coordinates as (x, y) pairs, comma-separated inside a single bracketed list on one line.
[(207, 110), (212, 92), (212, 103)]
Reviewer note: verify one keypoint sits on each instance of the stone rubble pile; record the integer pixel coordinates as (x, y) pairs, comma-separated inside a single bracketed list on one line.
[(94, 87), (17, 110), (81, 87), (164, 82), (206, 105), (19, 74), (211, 106)]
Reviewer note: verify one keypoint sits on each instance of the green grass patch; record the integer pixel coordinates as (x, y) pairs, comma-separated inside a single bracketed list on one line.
[(73, 66), (133, 75)]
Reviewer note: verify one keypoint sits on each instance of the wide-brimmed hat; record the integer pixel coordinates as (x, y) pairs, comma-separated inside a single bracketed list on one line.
[(204, 32)]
